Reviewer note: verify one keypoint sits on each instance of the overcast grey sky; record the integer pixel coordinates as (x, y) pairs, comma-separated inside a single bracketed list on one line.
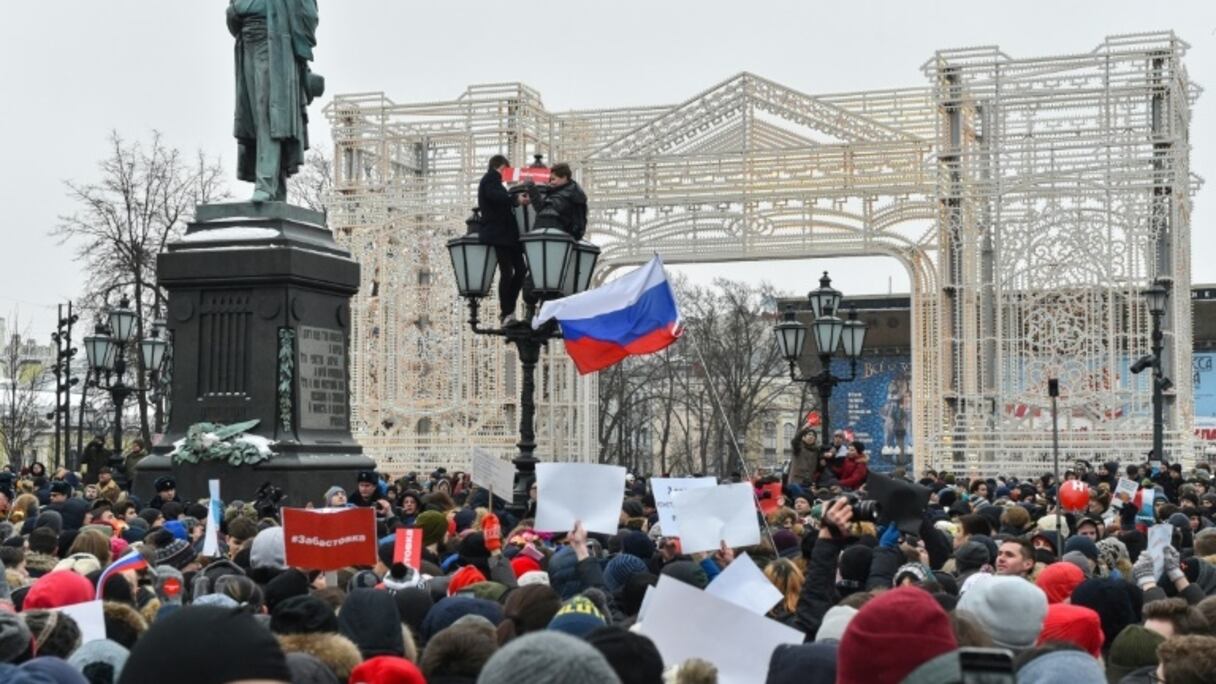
[(74, 70)]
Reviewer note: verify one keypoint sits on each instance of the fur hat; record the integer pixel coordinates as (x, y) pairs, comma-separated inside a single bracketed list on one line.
[(548, 658), (335, 651)]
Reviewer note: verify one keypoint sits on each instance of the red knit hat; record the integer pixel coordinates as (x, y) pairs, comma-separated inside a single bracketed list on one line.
[(892, 635), (1058, 580), (464, 577), (1075, 625), (387, 670), (58, 589), (521, 564)]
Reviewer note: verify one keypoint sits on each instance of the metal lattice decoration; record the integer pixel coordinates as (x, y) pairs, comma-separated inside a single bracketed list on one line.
[(1031, 200)]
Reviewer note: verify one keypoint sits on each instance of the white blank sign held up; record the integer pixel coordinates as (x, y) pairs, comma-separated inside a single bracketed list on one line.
[(566, 492)]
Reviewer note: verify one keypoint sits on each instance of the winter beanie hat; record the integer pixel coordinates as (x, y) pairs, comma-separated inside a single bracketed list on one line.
[(464, 577), (1085, 545), (451, 609), (1117, 603), (548, 658), (637, 544), (620, 569), (802, 664), (1062, 667), (522, 565), (578, 617), (177, 553), (387, 670), (58, 589), (1075, 625), (854, 568), (1134, 648), (1010, 609), (434, 525), (904, 615), (249, 650), (1058, 581), (268, 549), (100, 660), (15, 637), (633, 657), (835, 621)]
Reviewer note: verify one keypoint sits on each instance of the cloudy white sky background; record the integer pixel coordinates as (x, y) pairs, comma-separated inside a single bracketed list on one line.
[(72, 70)]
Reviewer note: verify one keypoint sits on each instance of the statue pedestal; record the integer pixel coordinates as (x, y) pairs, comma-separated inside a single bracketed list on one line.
[(259, 317)]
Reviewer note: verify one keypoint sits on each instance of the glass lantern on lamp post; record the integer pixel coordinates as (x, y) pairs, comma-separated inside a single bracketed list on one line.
[(830, 332), (558, 266)]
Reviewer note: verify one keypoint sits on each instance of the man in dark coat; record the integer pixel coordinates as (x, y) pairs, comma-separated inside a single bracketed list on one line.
[(70, 508), (565, 205), (95, 456), (166, 491), (499, 229)]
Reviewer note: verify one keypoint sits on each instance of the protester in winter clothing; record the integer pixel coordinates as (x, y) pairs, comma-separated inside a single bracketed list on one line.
[(548, 658), (903, 615), (1010, 609)]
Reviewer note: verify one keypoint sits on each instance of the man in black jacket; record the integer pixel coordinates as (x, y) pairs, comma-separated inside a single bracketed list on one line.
[(564, 206), (499, 229)]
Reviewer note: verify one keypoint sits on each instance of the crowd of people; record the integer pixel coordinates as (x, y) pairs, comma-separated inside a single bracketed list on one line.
[(992, 577)]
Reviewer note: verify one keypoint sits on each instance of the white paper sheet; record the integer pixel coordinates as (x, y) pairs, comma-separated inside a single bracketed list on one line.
[(211, 533), (685, 622), (90, 617), (665, 488), (743, 584), (566, 492), (712, 515), (493, 473), (1125, 491), (1158, 538)]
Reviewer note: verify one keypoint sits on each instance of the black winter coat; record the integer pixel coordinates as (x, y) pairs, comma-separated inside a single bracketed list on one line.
[(566, 207), (498, 226)]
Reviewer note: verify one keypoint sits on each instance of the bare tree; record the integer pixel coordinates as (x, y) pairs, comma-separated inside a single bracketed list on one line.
[(718, 381), (24, 399), (145, 195), (311, 186)]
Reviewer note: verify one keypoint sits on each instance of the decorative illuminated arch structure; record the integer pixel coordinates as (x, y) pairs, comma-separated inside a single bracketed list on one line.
[(1030, 201)]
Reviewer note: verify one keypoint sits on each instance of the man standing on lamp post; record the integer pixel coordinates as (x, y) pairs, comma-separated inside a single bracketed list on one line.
[(499, 229)]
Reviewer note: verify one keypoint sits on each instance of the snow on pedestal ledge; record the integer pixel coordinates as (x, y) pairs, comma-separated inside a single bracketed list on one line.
[(235, 233)]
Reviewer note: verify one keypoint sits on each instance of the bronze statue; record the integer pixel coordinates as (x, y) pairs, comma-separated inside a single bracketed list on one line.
[(274, 86)]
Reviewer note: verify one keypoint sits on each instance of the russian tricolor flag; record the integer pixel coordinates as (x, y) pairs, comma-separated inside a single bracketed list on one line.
[(633, 315), (133, 560)]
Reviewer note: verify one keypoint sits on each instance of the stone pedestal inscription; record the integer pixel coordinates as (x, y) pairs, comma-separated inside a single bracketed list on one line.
[(322, 391)]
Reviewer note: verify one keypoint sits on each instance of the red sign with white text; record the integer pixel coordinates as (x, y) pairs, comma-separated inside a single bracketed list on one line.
[(536, 174), (329, 538), (408, 547)]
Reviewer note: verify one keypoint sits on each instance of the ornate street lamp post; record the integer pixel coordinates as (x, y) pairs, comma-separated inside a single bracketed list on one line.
[(830, 332), (106, 350), (1157, 297), (558, 265)]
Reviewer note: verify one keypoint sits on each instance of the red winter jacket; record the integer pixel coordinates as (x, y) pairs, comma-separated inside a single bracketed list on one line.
[(852, 473)]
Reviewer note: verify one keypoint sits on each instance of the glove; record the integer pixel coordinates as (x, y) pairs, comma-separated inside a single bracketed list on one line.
[(491, 528), (889, 538), (1173, 564), (1142, 571)]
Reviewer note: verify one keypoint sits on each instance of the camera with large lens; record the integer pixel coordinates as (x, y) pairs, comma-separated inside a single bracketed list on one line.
[(268, 499), (891, 501), (864, 510)]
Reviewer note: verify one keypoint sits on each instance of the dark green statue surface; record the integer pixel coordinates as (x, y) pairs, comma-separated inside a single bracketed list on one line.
[(274, 43)]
